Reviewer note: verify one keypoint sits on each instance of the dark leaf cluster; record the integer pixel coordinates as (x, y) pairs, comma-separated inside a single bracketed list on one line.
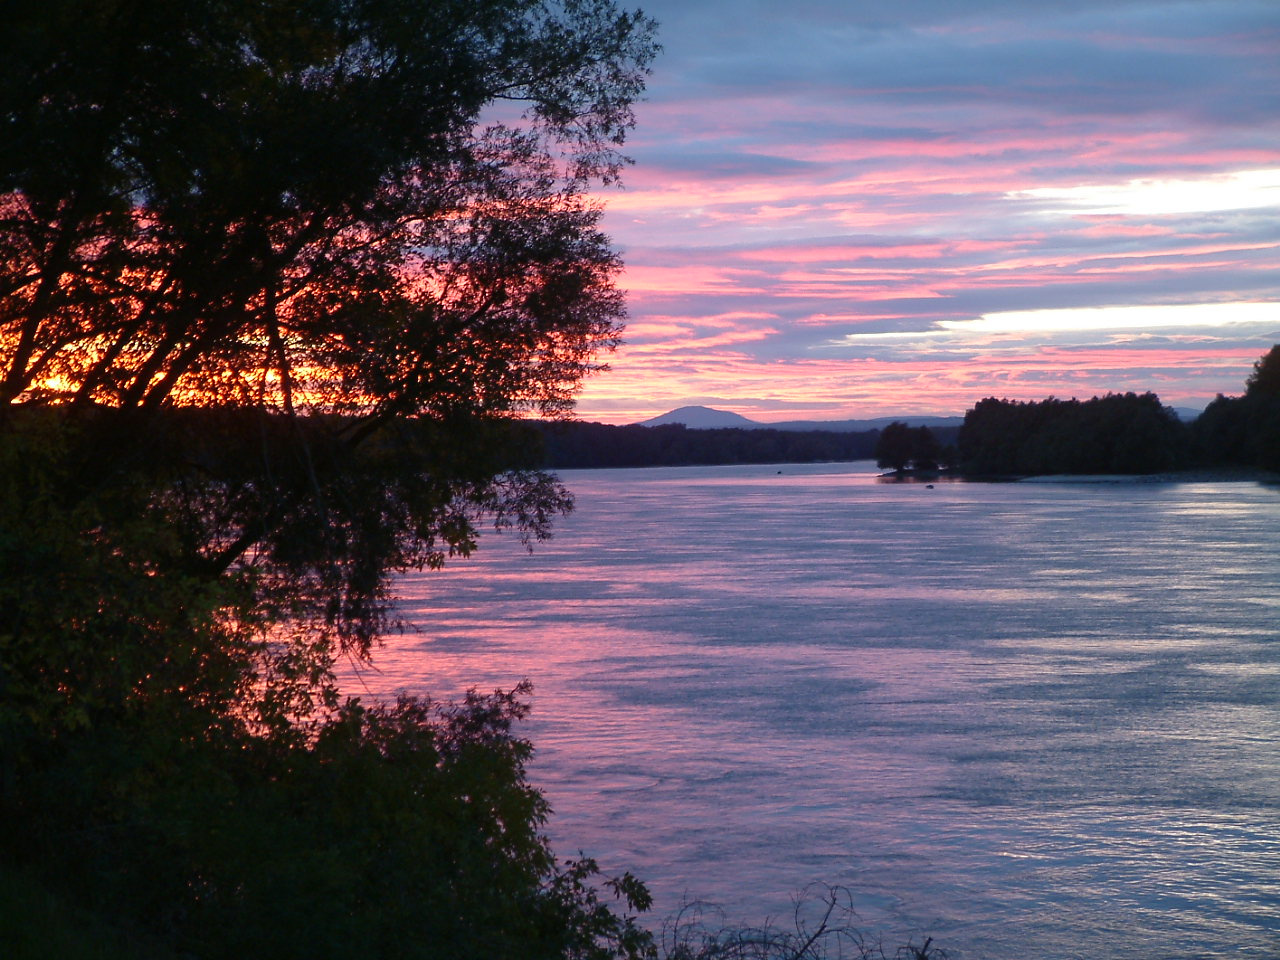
[(900, 446), (372, 207), (276, 279), (1115, 434), (406, 830), (1245, 430)]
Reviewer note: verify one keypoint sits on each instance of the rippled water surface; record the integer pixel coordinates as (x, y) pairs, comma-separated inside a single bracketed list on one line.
[(1029, 720)]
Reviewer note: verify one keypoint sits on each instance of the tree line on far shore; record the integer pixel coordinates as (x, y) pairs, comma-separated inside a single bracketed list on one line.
[(1245, 430), (1125, 433), (1112, 434), (573, 444), (1117, 433)]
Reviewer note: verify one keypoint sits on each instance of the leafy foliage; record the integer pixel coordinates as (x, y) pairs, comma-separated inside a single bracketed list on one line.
[(1245, 430), (308, 205), (36, 924), (1118, 433), (355, 234), (274, 279), (1265, 379), (900, 445), (405, 830), (361, 212)]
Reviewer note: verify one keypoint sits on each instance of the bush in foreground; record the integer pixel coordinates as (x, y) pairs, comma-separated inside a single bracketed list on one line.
[(403, 831)]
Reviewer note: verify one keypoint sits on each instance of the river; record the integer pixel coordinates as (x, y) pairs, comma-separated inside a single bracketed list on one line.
[(1026, 719)]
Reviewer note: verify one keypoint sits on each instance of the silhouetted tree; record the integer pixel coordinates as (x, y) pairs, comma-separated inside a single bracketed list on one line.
[(1117, 433), (275, 277), (895, 447), (1245, 430), (369, 215), (925, 449), (900, 446), (1265, 379)]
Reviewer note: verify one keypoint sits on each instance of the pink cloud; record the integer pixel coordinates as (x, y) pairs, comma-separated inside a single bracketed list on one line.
[(685, 281), (843, 254), (1116, 226), (762, 218)]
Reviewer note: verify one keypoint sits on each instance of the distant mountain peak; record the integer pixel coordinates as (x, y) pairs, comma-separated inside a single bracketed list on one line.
[(701, 418), (709, 418)]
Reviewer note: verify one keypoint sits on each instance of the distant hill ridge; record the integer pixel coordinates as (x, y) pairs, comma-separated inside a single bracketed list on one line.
[(708, 418)]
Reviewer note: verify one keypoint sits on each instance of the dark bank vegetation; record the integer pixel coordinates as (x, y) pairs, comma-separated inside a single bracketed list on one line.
[(1118, 433), (575, 444), (1125, 433), (275, 278), (1113, 434), (1245, 430), (900, 446)]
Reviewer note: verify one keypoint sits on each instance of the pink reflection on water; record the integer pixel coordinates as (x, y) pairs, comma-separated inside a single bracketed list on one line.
[(1000, 713)]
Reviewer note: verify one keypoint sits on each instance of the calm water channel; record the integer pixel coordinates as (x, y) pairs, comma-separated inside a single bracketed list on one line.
[(1034, 720)]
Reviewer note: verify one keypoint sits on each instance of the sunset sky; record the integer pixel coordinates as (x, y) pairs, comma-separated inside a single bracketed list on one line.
[(902, 206)]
